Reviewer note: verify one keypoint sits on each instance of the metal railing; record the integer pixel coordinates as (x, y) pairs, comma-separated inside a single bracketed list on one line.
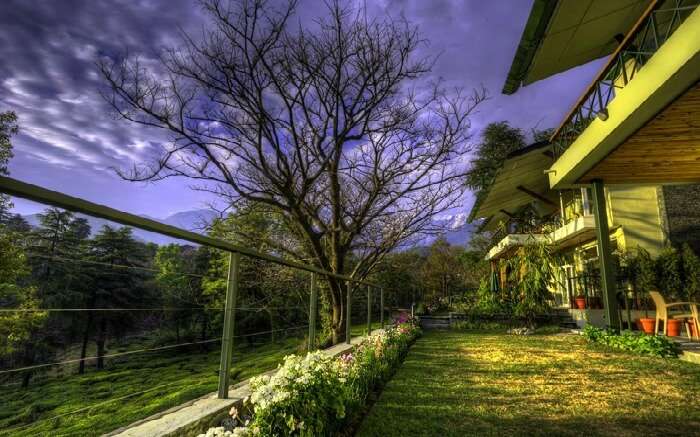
[(658, 22), (42, 195)]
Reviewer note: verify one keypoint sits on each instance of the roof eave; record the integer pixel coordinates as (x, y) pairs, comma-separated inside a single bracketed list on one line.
[(534, 31)]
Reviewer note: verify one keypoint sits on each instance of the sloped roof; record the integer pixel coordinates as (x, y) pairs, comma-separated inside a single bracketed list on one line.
[(519, 182), (562, 34)]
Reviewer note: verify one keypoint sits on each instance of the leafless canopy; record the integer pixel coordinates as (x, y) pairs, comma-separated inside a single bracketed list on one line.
[(328, 125)]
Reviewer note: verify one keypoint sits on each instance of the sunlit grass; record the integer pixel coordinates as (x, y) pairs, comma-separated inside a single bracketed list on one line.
[(168, 379), (491, 383)]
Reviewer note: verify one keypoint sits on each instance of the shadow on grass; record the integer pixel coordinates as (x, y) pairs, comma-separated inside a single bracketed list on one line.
[(485, 383)]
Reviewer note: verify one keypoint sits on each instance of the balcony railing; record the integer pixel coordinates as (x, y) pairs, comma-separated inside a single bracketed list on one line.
[(659, 21)]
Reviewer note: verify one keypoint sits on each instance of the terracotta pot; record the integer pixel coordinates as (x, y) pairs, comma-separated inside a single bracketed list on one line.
[(647, 325), (693, 328), (674, 327), (581, 302)]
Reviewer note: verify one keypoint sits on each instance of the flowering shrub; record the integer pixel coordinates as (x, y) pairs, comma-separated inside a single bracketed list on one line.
[(312, 395)]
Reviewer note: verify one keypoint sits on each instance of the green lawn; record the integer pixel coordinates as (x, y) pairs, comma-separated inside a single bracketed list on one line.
[(490, 383), (104, 397)]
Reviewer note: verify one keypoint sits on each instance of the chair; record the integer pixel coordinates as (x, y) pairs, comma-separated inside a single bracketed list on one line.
[(663, 313), (695, 320)]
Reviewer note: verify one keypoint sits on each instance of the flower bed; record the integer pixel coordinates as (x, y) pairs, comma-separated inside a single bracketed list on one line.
[(315, 394), (658, 346)]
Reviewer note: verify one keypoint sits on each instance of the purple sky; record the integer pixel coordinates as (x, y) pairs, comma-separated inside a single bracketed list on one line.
[(69, 139)]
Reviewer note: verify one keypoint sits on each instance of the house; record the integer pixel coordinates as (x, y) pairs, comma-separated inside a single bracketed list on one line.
[(622, 168)]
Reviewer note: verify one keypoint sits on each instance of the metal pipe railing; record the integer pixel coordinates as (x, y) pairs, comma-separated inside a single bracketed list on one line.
[(36, 193), (641, 42), (17, 188)]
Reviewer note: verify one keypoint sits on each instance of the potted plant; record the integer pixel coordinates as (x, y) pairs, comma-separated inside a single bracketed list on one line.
[(580, 302), (673, 328), (644, 277)]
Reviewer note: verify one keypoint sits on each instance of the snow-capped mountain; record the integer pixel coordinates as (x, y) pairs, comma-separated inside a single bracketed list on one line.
[(456, 229)]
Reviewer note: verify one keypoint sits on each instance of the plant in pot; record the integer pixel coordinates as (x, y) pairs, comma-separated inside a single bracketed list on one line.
[(643, 277), (580, 301)]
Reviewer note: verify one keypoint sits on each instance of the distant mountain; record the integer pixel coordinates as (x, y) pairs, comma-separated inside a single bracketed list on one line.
[(457, 231), (195, 220)]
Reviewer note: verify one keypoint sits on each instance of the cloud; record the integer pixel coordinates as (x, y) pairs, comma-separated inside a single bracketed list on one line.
[(48, 51)]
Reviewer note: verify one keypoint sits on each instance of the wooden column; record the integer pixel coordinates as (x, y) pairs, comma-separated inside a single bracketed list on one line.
[(607, 274)]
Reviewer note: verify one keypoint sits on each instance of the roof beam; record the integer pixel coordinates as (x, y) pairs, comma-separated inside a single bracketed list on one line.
[(535, 195), (507, 213)]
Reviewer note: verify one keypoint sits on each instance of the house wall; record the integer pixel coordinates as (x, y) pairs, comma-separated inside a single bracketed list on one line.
[(682, 208), (636, 209)]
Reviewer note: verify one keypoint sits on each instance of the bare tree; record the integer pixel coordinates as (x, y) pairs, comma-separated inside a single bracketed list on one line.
[(327, 125)]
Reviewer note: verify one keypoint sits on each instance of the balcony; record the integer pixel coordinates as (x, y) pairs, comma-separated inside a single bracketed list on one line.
[(510, 242), (573, 232), (658, 23)]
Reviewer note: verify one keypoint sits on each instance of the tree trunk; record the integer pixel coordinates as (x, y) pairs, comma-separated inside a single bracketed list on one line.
[(83, 348), (177, 329), (203, 333), (101, 338), (337, 292), (28, 360)]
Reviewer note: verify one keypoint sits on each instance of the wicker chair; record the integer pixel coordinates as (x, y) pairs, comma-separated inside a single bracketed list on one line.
[(665, 311), (695, 319)]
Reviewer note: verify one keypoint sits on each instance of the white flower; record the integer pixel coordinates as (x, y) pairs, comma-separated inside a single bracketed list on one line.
[(241, 432)]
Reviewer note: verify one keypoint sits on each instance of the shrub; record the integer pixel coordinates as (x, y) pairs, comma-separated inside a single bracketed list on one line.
[(467, 325), (657, 346), (312, 395)]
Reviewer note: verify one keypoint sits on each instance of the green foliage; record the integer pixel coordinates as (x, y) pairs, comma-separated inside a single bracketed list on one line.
[(178, 279), (477, 325), (440, 271), (691, 272), (653, 345), (533, 271), (16, 328), (153, 383), (8, 127), (489, 303), (498, 140), (668, 276), (313, 395), (270, 287)]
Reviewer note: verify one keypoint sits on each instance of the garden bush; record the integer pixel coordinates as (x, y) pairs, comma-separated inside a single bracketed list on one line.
[(315, 394), (631, 341)]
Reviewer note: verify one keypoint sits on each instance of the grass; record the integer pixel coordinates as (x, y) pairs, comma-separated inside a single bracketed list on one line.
[(490, 383), (104, 399)]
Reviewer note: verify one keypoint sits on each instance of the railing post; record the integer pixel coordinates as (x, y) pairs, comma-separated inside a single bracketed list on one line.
[(381, 307), (313, 301), (369, 310), (229, 324), (348, 305)]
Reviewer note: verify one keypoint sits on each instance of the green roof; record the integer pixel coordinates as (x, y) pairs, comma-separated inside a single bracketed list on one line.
[(532, 36)]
